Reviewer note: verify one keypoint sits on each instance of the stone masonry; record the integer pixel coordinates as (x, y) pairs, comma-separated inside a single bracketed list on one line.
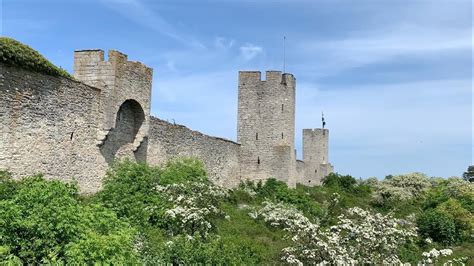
[(75, 129)]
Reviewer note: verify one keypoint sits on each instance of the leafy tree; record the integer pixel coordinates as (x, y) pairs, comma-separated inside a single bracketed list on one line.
[(342, 182), (44, 222), (469, 174)]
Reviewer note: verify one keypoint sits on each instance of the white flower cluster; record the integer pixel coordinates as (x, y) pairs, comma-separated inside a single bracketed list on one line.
[(401, 187), (194, 204), (432, 255), (457, 187), (360, 237)]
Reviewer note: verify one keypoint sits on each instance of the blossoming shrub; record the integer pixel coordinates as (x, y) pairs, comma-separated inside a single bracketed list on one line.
[(358, 237), (193, 207), (278, 191), (400, 188), (45, 222)]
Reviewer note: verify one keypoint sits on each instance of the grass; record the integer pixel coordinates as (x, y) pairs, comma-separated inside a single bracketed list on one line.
[(14, 53)]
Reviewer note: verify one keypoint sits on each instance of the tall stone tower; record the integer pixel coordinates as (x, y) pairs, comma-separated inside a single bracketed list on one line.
[(266, 126), (124, 103), (315, 156)]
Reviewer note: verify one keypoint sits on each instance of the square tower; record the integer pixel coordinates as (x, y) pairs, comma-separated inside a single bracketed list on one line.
[(266, 126), (315, 156), (124, 103)]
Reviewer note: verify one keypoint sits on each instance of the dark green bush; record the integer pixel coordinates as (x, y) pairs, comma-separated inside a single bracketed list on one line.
[(342, 182), (14, 53), (130, 190), (7, 185), (44, 222), (438, 226)]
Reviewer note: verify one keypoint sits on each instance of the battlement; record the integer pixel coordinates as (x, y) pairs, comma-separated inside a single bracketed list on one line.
[(315, 131), (92, 59), (246, 77)]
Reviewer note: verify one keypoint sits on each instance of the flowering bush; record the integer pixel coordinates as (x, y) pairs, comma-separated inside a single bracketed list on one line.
[(193, 206), (358, 237), (432, 256), (401, 188)]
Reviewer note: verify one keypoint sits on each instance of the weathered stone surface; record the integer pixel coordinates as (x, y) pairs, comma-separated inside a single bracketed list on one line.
[(74, 130)]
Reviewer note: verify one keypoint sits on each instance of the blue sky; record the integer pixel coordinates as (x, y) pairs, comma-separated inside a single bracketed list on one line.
[(394, 78)]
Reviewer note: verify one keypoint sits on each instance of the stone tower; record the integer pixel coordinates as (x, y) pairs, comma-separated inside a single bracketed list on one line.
[(266, 126), (315, 156), (124, 102)]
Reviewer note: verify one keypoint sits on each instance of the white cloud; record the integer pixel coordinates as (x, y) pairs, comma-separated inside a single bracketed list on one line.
[(223, 43), (250, 51)]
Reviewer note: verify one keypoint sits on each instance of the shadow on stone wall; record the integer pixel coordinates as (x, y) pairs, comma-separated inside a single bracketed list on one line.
[(130, 118)]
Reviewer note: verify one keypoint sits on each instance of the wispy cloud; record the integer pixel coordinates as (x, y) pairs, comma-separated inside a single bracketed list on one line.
[(138, 12), (250, 51), (382, 45)]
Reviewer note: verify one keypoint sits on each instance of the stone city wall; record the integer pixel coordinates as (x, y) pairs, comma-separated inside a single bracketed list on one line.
[(220, 156), (49, 125)]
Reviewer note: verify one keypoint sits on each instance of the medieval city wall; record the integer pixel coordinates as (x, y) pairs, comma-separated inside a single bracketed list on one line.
[(71, 129), (48, 125), (220, 156)]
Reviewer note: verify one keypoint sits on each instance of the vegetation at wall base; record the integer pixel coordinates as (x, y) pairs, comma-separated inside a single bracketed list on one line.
[(175, 215), (14, 53)]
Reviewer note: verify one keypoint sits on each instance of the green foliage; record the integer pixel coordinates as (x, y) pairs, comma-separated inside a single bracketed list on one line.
[(43, 221), (183, 170), (129, 190), (438, 226), (342, 182), (14, 53), (182, 250), (463, 219), (175, 215), (278, 191), (7, 185)]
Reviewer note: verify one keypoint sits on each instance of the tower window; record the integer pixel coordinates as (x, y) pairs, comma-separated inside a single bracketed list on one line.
[(316, 170), (72, 136), (281, 135), (256, 136), (282, 107), (258, 160)]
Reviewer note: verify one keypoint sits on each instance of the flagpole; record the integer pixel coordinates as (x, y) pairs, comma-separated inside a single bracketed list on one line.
[(284, 53)]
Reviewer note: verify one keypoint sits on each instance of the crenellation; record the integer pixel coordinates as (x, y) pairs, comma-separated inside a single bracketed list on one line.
[(77, 128)]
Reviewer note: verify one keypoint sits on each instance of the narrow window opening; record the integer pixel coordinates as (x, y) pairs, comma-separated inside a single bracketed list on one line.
[(72, 136), (258, 160), (282, 107), (256, 136), (316, 170), (281, 135)]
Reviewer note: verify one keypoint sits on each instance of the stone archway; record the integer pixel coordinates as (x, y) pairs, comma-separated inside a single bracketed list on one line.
[(129, 119)]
